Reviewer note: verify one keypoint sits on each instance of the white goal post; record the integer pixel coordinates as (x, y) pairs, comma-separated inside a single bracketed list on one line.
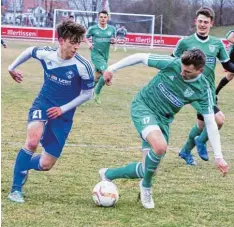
[(134, 23)]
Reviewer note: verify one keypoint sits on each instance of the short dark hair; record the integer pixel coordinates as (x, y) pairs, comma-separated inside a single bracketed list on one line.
[(104, 12), (194, 57), (206, 11), (71, 30)]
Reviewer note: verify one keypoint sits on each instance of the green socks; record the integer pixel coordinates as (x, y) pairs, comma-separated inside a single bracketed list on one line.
[(189, 145), (152, 161), (99, 85), (204, 136), (131, 171)]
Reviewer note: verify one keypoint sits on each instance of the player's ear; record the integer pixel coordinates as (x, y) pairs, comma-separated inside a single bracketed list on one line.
[(212, 23), (61, 40), (201, 70)]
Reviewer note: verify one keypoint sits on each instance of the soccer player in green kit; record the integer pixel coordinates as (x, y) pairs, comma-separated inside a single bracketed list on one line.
[(180, 82), (213, 48), (102, 36), (229, 76)]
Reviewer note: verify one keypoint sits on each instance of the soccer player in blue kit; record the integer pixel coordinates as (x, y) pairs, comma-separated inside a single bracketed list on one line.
[(68, 82)]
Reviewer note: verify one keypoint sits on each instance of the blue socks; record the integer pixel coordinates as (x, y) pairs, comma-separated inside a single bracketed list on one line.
[(35, 163), (20, 169)]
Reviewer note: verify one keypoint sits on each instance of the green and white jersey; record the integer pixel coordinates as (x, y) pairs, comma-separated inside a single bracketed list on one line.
[(168, 92), (212, 47), (231, 48), (101, 38)]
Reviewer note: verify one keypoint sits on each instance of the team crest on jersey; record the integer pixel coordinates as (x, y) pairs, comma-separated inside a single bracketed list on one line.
[(188, 92), (109, 33), (211, 48), (70, 74)]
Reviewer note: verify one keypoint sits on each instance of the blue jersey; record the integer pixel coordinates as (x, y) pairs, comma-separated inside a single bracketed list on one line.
[(63, 79)]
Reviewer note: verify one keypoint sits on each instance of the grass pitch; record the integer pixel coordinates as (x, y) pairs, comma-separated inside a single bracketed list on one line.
[(103, 136)]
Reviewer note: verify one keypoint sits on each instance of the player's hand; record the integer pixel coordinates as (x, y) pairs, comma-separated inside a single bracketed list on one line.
[(108, 77), (54, 112), (222, 165), (113, 40), (16, 76)]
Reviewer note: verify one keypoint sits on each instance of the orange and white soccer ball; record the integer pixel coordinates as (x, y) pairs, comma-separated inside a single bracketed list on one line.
[(105, 194)]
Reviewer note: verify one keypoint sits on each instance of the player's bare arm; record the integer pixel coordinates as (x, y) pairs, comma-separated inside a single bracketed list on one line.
[(90, 45)]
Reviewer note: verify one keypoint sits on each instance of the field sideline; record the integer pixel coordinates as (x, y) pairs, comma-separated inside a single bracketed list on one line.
[(103, 136)]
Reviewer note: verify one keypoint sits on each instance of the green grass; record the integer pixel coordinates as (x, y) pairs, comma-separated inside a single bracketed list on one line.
[(221, 31), (103, 136)]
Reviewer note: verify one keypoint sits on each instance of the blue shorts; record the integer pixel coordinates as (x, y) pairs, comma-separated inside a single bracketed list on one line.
[(55, 132)]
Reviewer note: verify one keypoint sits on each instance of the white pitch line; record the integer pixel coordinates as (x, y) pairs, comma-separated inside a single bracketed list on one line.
[(106, 146)]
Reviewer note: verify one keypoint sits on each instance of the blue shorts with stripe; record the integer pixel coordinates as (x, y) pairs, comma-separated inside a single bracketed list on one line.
[(55, 132)]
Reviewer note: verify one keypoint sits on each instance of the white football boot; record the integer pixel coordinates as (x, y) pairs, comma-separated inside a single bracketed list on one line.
[(146, 196), (102, 172)]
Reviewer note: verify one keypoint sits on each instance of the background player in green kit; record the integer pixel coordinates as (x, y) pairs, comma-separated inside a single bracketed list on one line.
[(229, 76), (102, 36), (179, 82), (213, 48)]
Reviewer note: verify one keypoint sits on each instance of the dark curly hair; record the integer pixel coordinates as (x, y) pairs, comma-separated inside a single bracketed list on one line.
[(71, 30), (194, 57)]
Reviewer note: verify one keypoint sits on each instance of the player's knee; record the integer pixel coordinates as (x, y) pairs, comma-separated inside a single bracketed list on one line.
[(230, 76), (160, 149), (220, 119), (46, 166), (32, 144)]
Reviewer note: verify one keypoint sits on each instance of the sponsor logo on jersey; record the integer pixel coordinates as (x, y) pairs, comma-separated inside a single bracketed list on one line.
[(102, 40), (188, 92), (212, 48), (70, 75), (169, 96), (210, 60), (58, 80)]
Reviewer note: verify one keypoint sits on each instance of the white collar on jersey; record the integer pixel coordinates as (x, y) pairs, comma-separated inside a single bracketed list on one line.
[(200, 40), (102, 28), (192, 80), (62, 60)]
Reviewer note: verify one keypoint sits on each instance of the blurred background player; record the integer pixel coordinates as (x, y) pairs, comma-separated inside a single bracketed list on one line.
[(3, 43), (229, 76), (71, 17), (121, 34), (68, 82), (179, 82), (102, 36), (213, 48)]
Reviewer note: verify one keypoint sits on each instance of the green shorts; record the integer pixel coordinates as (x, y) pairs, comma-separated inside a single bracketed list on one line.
[(100, 64), (145, 119)]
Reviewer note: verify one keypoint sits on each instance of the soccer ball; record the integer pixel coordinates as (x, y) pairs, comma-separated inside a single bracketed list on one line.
[(105, 194)]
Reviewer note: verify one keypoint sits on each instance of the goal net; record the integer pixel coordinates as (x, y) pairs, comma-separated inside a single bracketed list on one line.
[(140, 27)]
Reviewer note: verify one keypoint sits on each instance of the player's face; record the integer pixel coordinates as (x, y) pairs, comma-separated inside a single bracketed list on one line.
[(189, 72), (102, 19), (203, 25), (68, 48)]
